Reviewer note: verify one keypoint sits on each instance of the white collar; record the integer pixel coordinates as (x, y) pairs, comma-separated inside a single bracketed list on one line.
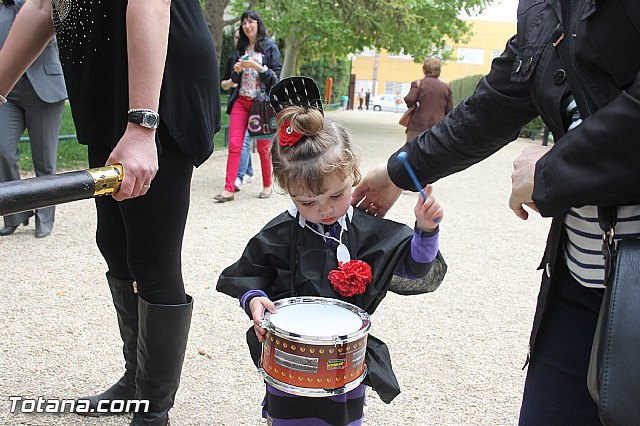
[(293, 211)]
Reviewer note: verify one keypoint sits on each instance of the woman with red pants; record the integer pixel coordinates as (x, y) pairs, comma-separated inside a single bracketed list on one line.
[(256, 68)]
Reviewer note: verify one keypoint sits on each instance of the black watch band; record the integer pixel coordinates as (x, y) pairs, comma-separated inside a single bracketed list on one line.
[(144, 117)]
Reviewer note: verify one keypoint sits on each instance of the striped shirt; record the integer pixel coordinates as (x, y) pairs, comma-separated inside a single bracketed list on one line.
[(583, 250)]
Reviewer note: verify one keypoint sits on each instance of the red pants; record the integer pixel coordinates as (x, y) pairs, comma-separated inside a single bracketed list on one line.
[(237, 127)]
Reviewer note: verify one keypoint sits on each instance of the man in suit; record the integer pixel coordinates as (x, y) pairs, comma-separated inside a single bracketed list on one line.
[(36, 103)]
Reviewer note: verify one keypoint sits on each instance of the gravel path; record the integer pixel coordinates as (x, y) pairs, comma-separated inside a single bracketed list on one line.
[(457, 352)]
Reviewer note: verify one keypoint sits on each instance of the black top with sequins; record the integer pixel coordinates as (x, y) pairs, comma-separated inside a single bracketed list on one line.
[(93, 51)]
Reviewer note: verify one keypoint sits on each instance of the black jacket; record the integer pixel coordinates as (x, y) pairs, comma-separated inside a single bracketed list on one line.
[(597, 163), (270, 58)]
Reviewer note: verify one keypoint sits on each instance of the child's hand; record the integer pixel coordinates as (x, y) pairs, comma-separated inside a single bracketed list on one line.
[(257, 307), (428, 213)]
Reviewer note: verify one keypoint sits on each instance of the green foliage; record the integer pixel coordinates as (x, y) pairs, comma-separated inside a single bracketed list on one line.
[(321, 69), (533, 128), (463, 87), (227, 48), (314, 28)]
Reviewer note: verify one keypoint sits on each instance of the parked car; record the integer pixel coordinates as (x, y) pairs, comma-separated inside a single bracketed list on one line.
[(387, 102)]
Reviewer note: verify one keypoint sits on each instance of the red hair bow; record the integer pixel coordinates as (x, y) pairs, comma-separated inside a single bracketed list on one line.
[(288, 136)]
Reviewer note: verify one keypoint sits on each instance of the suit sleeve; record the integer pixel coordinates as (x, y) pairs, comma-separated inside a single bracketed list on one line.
[(412, 96)]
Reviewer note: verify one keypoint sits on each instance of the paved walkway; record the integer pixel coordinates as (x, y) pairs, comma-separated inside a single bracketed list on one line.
[(457, 352)]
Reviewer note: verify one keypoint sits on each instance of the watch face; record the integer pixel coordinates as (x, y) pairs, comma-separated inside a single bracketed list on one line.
[(150, 120)]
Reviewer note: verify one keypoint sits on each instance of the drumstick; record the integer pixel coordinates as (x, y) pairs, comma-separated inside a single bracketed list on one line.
[(43, 191), (402, 157)]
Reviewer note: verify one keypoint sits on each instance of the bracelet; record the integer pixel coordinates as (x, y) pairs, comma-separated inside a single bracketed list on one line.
[(3, 100)]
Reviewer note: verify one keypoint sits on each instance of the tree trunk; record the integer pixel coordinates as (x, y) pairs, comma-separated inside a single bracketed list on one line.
[(291, 54), (214, 13)]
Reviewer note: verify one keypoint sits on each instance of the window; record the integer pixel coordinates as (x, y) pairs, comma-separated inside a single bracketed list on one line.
[(470, 55)]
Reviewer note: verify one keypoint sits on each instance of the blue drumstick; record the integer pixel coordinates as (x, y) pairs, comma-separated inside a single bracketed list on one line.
[(402, 157)]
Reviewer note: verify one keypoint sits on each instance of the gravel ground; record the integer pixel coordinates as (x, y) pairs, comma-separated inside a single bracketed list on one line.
[(457, 352)]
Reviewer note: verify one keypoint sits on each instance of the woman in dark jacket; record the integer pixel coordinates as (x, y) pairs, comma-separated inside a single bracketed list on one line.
[(591, 103), (256, 68)]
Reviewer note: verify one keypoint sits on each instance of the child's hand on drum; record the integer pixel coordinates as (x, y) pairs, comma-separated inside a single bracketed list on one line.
[(257, 306), (428, 213)]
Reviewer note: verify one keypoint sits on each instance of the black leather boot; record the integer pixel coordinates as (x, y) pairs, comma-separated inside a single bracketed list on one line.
[(126, 304), (162, 341)]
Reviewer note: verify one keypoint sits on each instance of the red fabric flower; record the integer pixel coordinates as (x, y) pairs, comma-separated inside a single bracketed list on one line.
[(288, 136), (351, 277)]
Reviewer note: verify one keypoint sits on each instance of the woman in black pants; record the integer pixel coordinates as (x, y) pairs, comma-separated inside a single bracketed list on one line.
[(143, 86)]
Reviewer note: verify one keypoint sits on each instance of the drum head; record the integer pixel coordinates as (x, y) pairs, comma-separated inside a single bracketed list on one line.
[(317, 318)]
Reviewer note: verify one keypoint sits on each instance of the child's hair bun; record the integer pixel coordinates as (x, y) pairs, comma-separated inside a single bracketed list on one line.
[(306, 121)]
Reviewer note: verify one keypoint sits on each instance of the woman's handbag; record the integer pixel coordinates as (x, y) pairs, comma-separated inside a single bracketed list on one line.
[(406, 116), (262, 117), (614, 368)]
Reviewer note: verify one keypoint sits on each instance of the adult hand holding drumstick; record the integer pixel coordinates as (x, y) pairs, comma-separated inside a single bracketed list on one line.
[(257, 306)]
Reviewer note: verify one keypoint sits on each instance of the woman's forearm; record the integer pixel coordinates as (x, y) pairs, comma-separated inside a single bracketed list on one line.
[(147, 40)]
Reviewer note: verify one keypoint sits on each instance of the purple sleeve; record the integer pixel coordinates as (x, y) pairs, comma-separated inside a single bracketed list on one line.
[(424, 248), (246, 298)]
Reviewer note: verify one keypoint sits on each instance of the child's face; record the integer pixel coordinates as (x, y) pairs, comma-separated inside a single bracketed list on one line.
[(327, 207)]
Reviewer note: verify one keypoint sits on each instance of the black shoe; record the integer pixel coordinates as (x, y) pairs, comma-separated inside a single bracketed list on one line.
[(8, 230), (42, 234)]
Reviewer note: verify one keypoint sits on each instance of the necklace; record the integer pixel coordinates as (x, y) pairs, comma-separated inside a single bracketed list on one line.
[(342, 252)]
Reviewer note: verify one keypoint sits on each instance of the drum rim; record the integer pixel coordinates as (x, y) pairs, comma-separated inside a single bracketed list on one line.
[(301, 338), (312, 392)]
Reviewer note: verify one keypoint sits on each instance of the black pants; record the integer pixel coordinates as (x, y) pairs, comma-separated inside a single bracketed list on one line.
[(555, 391), (141, 238)]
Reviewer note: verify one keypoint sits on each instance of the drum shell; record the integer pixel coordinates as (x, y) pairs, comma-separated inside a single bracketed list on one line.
[(312, 365)]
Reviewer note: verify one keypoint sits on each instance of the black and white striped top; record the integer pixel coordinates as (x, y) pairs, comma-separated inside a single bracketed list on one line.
[(583, 251)]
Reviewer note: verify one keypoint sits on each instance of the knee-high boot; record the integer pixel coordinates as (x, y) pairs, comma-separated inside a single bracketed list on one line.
[(126, 304), (162, 341)]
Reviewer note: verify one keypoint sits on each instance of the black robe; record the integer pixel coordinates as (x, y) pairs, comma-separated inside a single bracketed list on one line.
[(286, 260)]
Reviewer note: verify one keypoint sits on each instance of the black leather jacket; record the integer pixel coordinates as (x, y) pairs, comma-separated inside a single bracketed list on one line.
[(598, 163)]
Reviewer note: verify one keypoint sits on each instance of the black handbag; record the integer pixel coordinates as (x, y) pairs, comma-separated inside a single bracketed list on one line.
[(262, 117), (613, 378)]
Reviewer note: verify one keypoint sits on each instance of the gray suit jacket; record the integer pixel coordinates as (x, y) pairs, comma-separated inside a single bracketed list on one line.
[(45, 74)]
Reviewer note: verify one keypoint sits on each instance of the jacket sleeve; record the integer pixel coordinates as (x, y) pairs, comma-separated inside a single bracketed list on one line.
[(449, 106), (412, 97), (272, 75), (236, 77), (478, 127), (597, 163)]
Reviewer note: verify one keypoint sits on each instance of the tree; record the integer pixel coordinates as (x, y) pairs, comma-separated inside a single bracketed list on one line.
[(315, 28)]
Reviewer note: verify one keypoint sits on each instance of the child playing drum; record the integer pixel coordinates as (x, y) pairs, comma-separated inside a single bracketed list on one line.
[(324, 247)]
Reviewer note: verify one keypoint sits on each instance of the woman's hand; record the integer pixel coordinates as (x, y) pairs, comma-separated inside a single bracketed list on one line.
[(249, 63), (376, 193), (137, 153), (257, 306), (428, 213)]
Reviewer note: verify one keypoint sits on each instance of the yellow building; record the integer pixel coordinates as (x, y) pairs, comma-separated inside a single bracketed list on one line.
[(381, 72)]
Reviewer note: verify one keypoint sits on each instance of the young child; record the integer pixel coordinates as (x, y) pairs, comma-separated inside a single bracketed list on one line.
[(297, 254)]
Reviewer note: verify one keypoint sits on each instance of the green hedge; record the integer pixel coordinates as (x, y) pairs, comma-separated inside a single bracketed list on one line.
[(464, 87), (73, 156)]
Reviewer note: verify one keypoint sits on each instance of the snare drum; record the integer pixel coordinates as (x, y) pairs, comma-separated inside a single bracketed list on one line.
[(315, 346)]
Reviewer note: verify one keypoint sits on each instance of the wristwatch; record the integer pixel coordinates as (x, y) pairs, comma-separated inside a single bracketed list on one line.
[(144, 117)]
